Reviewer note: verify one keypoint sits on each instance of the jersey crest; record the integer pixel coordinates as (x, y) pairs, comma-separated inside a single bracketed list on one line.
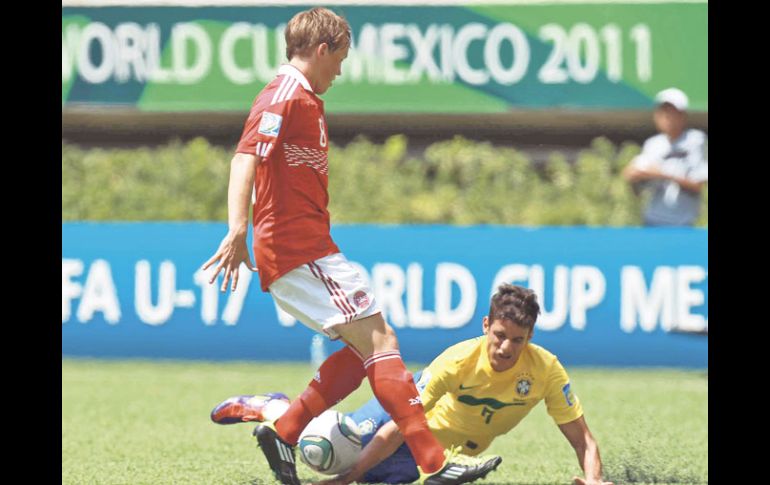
[(270, 124)]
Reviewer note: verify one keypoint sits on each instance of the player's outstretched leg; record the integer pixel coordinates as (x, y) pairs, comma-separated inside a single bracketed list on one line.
[(280, 454), (339, 375), (244, 408), (394, 388)]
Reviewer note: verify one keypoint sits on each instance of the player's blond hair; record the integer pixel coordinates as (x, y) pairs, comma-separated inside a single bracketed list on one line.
[(311, 28)]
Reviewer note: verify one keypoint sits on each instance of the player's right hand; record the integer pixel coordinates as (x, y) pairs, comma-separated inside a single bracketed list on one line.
[(232, 252)]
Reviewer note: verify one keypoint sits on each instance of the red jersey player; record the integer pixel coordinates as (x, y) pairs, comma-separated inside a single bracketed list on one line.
[(282, 156)]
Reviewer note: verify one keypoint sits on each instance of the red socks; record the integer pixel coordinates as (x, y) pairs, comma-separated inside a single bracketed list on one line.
[(395, 390), (393, 386), (339, 375)]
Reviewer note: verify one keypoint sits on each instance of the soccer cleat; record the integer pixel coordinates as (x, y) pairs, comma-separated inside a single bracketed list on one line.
[(460, 469), (279, 454), (240, 409)]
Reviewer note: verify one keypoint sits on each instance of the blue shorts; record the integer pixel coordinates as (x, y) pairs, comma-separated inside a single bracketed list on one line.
[(399, 467)]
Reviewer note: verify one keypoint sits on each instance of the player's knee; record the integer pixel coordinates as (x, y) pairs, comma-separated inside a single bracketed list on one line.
[(387, 340)]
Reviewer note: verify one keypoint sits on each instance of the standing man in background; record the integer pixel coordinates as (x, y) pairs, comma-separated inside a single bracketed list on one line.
[(673, 164), (282, 158)]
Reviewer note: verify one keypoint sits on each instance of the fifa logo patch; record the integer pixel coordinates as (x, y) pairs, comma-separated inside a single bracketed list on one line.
[(361, 300), (423, 382), (568, 396), (270, 124)]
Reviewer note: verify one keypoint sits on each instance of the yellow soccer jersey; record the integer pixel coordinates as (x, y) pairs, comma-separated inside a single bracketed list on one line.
[(467, 403)]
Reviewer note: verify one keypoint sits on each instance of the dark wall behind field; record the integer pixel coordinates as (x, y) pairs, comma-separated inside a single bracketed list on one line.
[(536, 132)]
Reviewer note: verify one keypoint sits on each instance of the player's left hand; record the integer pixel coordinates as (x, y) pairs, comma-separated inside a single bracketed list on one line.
[(583, 481)]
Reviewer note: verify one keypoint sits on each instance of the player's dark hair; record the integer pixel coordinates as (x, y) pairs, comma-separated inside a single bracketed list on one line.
[(311, 28), (516, 304)]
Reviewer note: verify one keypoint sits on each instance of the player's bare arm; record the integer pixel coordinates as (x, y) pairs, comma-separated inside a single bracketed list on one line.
[(233, 250), (581, 439), (689, 185), (384, 443), (635, 174)]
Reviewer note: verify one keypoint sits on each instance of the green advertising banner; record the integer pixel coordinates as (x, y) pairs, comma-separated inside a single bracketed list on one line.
[(405, 59)]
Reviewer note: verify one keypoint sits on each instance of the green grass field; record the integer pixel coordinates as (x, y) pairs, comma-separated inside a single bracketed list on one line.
[(147, 422)]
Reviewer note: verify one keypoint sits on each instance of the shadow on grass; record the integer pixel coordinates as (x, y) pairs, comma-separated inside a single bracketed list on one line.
[(266, 481), (647, 471), (631, 477)]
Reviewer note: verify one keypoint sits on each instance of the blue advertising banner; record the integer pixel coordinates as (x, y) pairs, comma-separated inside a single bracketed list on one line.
[(609, 296)]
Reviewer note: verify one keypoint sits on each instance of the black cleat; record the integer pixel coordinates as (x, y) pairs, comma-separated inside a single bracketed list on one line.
[(461, 469), (279, 454)]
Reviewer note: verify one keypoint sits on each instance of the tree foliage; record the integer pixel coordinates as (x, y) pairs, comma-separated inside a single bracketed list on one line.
[(456, 181)]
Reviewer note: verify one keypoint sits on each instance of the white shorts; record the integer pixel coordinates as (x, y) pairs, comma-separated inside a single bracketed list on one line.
[(324, 293)]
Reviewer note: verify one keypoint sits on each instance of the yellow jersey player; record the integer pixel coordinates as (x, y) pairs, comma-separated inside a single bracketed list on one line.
[(482, 388), (475, 391)]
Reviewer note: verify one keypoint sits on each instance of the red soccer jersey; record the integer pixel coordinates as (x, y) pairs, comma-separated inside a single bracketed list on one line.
[(286, 126)]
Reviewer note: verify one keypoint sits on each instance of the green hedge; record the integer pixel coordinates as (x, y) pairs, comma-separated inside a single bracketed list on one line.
[(456, 182)]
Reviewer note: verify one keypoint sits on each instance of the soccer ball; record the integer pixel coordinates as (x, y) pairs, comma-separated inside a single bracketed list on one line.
[(330, 444)]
